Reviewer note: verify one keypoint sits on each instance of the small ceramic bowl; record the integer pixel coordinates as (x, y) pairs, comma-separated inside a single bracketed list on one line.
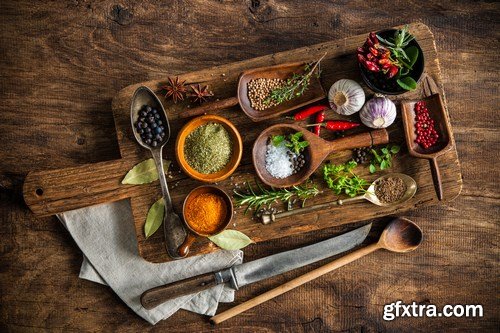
[(193, 234), (230, 166), (379, 83)]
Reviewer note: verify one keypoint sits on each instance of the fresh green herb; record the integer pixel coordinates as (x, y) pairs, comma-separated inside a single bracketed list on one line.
[(341, 179), (231, 240), (403, 56), (296, 145), (292, 141), (407, 83), (383, 157), (278, 139), (256, 198), (294, 86)]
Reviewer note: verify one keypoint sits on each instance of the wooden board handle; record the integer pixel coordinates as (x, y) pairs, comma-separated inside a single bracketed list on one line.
[(366, 139), (153, 297), (298, 281), (56, 191), (212, 106)]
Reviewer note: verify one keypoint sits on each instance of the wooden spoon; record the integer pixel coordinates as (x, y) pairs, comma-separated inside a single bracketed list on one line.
[(314, 154), (400, 235), (437, 112), (313, 93)]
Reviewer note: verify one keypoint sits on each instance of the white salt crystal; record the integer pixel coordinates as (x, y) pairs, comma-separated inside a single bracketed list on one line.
[(278, 161)]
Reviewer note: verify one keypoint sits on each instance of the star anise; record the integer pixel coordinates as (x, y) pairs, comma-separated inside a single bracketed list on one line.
[(175, 89), (199, 94)]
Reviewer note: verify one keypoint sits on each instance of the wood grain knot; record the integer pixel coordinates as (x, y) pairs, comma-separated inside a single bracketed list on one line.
[(121, 15)]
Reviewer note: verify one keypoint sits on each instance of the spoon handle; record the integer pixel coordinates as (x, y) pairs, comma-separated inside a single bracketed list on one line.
[(436, 177), (211, 106), (366, 139), (157, 156), (173, 229), (269, 217), (298, 281)]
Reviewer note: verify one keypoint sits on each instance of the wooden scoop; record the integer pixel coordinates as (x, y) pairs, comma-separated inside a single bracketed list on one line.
[(313, 93), (401, 235), (314, 154), (437, 112)]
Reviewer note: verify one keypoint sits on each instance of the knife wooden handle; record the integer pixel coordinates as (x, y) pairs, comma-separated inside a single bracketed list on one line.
[(55, 191), (153, 297)]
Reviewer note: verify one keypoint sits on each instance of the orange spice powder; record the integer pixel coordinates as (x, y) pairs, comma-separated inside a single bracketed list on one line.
[(206, 213)]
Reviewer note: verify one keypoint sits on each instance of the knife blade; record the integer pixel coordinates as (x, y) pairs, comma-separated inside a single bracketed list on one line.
[(256, 270)]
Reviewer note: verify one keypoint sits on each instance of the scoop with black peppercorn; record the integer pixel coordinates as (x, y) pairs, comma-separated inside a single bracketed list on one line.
[(152, 131)]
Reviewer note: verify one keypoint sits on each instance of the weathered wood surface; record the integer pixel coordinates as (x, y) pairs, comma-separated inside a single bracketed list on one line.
[(61, 65)]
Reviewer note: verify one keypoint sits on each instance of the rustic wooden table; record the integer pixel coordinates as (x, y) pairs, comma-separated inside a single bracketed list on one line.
[(61, 64)]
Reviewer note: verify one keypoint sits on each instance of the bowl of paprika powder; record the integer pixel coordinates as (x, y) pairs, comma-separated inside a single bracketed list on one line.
[(207, 211)]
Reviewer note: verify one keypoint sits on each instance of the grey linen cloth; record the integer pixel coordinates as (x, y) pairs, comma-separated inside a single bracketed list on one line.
[(106, 236)]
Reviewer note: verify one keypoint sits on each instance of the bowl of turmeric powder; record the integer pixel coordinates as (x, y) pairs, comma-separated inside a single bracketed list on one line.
[(207, 211)]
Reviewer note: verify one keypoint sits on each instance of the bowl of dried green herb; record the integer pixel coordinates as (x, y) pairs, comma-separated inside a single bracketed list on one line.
[(209, 148)]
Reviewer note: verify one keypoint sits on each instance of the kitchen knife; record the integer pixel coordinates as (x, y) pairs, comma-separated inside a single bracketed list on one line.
[(253, 271)]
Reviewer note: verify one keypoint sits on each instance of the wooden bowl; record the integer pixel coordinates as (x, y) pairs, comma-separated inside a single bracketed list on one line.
[(313, 93), (314, 154), (230, 166)]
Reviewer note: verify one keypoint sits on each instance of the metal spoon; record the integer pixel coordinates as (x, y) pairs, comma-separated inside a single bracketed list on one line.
[(172, 225), (411, 189)]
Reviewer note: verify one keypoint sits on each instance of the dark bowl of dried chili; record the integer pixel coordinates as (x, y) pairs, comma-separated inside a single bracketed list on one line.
[(379, 81)]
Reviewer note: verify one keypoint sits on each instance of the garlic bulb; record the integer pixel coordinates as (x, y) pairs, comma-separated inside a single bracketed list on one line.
[(346, 97), (378, 112)]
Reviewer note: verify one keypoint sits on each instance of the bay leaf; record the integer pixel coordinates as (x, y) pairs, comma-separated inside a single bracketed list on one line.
[(231, 240), (407, 83), (154, 218), (144, 172)]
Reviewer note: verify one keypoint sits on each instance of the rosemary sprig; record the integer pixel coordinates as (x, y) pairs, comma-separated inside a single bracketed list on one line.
[(256, 198), (294, 86)]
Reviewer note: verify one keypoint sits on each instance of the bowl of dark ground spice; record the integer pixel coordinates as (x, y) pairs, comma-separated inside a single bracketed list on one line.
[(209, 148)]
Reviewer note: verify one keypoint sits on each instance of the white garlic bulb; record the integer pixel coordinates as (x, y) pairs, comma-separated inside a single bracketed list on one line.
[(346, 97)]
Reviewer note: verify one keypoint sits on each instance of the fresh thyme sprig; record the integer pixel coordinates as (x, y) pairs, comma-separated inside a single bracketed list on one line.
[(294, 86), (256, 198)]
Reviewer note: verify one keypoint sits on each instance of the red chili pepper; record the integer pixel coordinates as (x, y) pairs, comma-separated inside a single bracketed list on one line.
[(384, 61), (337, 125), (361, 58), (373, 38), (393, 70), (309, 111), (370, 65), (320, 117), (373, 51)]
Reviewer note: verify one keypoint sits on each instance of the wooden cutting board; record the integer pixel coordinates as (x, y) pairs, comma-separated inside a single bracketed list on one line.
[(55, 191)]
